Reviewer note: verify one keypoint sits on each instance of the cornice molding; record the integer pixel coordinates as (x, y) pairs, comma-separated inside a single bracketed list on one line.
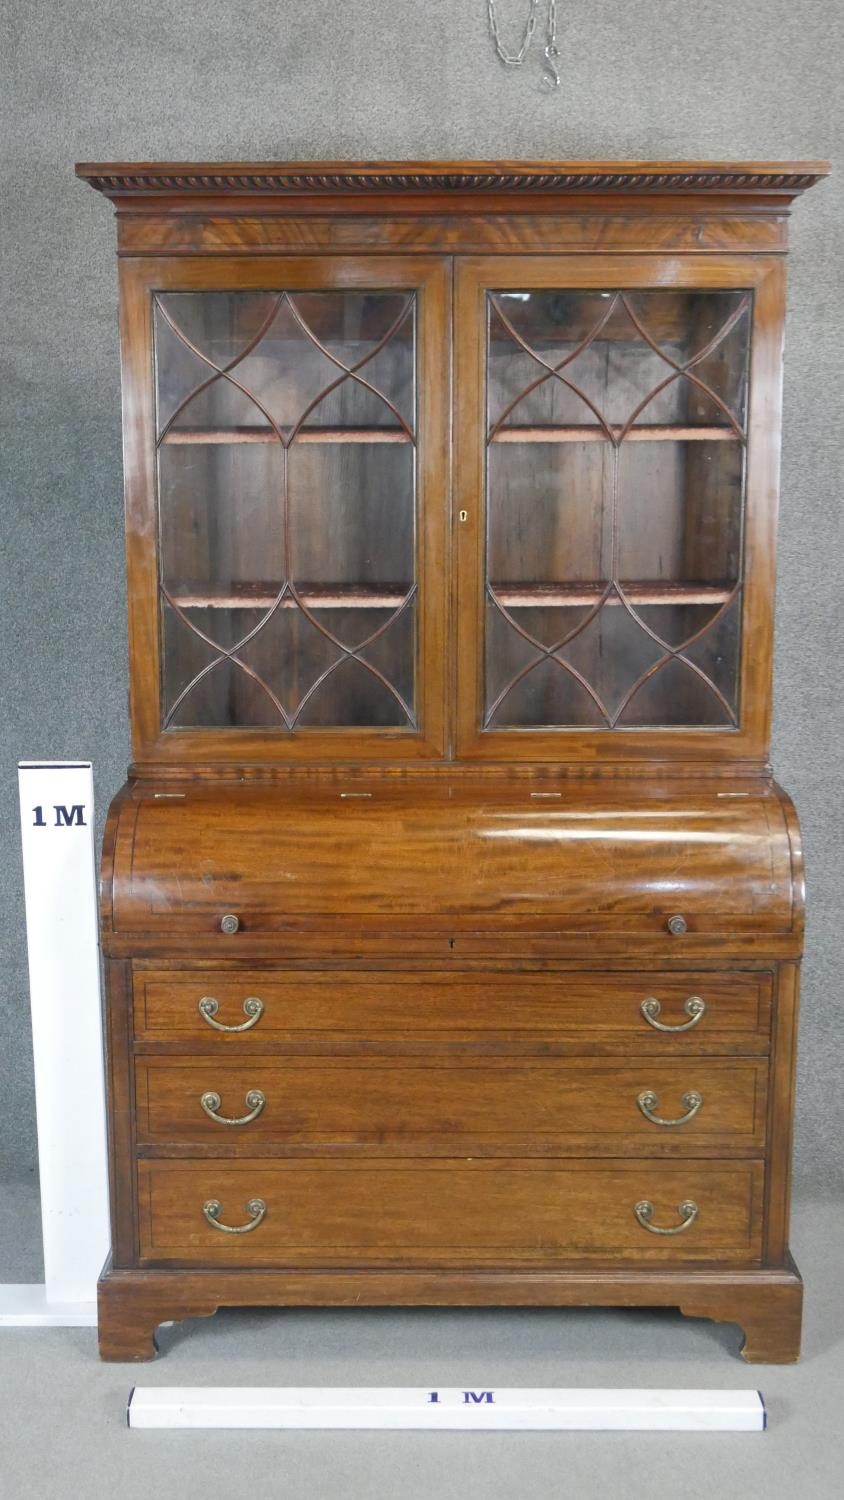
[(350, 179)]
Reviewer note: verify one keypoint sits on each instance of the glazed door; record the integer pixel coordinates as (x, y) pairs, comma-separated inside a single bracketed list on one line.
[(617, 430), (287, 477)]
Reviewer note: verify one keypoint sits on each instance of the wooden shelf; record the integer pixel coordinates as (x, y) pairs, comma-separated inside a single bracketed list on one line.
[(530, 596), (535, 596), (205, 436), (264, 595), (596, 434)]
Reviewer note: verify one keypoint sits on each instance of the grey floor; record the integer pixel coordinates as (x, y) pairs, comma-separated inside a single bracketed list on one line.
[(62, 1413)]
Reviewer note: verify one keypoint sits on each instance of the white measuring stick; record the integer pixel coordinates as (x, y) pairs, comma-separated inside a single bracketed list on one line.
[(57, 837), (446, 1408)]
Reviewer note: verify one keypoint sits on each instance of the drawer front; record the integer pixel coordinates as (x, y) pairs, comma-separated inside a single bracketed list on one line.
[(449, 1105), (695, 1011), (448, 1213)]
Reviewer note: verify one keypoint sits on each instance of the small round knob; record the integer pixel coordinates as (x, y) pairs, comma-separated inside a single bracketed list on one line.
[(230, 923), (677, 926)]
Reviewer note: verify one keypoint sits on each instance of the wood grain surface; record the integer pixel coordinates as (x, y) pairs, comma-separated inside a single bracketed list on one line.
[(451, 928)]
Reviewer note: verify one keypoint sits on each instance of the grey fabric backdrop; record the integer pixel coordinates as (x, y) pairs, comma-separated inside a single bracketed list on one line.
[(183, 79)]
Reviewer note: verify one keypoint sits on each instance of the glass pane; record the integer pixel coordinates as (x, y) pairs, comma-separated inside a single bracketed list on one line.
[(287, 474), (616, 429)]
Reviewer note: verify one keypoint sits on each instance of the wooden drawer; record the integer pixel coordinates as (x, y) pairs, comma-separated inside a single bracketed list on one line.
[(447, 1213), (572, 1009), (393, 1105)]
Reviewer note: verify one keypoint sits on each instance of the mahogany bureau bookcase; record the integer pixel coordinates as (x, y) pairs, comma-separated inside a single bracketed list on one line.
[(451, 916)]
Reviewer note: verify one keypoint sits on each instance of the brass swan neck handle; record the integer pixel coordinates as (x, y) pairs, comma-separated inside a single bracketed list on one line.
[(694, 1008), (253, 1009), (256, 1208), (688, 1211), (211, 1102), (649, 1103)]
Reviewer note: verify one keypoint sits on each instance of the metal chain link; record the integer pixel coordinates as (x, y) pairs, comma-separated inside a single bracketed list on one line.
[(512, 59), (551, 51)]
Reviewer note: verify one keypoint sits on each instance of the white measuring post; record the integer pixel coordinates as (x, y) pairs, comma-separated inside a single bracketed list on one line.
[(448, 1409), (57, 836)]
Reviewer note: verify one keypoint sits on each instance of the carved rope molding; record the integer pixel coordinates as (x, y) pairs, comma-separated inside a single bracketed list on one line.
[(286, 181)]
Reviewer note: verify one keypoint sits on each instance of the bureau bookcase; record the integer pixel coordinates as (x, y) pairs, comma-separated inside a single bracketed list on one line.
[(451, 916)]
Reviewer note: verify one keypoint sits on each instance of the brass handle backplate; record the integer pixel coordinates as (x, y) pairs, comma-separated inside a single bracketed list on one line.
[(648, 1102), (694, 1008), (256, 1209), (688, 1211), (252, 1007), (211, 1102)]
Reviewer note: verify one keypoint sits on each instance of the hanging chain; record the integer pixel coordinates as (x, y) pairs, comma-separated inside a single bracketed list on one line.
[(513, 59), (551, 78)]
